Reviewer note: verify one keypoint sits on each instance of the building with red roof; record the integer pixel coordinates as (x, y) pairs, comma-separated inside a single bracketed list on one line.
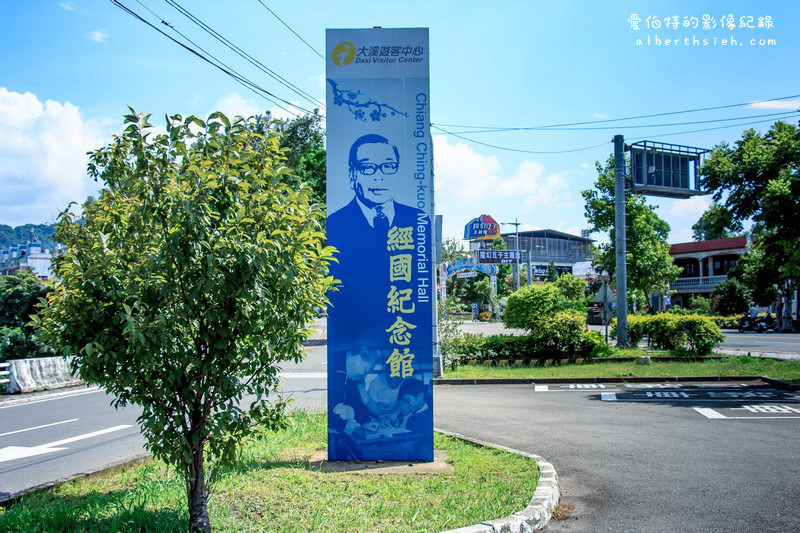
[(705, 265)]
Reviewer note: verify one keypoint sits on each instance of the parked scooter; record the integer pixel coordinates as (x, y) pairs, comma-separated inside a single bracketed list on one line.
[(747, 323)]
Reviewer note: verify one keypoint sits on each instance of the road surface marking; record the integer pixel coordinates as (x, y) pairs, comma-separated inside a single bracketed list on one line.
[(709, 413), (9, 453), (608, 396), (540, 388), (305, 375), (46, 398), (39, 427)]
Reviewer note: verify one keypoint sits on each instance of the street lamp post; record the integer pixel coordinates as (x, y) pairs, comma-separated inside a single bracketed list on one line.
[(519, 252)]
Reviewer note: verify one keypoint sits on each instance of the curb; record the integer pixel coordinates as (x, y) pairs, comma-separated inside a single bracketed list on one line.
[(630, 379), (783, 356), (539, 510)]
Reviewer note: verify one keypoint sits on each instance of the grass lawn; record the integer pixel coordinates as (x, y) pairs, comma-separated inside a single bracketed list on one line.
[(730, 366), (272, 488)]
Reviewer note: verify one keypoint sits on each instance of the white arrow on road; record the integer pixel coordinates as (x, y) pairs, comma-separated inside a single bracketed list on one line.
[(9, 453)]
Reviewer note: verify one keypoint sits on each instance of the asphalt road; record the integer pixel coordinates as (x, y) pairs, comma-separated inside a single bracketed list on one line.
[(649, 462), (60, 434), (630, 458)]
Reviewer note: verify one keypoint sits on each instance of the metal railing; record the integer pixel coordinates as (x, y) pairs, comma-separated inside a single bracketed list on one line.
[(703, 282), (4, 372)]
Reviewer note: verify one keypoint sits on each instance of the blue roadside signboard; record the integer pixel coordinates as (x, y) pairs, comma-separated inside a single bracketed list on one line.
[(380, 208)]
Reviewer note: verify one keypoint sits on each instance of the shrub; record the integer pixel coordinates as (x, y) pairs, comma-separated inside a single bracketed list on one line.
[(726, 322), (695, 333), (484, 316), (699, 305), (562, 336), (532, 303)]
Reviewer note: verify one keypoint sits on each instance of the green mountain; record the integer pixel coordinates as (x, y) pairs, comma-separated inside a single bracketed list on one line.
[(22, 234)]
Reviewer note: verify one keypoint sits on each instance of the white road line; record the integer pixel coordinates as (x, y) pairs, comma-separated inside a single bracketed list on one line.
[(608, 396), (540, 388), (9, 453), (39, 427), (304, 375), (709, 413), (47, 398)]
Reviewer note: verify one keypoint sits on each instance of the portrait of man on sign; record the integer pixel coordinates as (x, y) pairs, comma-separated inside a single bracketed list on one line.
[(361, 228), (372, 320)]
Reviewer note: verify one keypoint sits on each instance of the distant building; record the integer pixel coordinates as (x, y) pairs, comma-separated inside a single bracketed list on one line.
[(705, 265), (543, 246), (31, 256)]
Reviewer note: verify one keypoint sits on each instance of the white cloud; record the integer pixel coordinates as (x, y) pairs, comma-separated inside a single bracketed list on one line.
[(689, 209), (584, 166), (234, 104), (685, 235), (540, 190), (98, 36), (776, 104), (43, 157), (73, 7), (462, 173), (573, 230), (598, 115)]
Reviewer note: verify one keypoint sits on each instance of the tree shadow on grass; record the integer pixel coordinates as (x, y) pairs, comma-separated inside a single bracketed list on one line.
[(122, 510)]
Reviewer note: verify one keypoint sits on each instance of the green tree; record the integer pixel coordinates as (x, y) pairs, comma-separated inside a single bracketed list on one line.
[(759, 179), (730, 297), (573, 287), (649, 263), (194, 274), (552, 271), (716, 223), (19, 294), (481, 291), (303, 142)]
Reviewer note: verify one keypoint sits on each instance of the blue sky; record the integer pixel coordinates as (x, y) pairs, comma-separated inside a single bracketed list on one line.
[(70, 68)]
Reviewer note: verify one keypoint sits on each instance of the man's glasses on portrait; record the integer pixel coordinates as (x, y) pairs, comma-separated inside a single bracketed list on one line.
[(388, 168)]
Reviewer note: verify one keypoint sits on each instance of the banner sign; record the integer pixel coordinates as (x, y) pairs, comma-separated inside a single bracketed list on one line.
[(380, 208), (482, 228), (460, 264), (502, 257)]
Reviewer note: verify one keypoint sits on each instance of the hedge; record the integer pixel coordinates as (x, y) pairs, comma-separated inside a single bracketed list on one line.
[(562, 336), (695, 333)]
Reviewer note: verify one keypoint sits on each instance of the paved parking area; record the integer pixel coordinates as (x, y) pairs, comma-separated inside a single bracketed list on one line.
[(719, 456)]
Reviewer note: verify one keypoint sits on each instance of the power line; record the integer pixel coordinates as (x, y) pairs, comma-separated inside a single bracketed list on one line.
[(795, 113), (584, 128), (621, 119), (792, 113), (260, 91), (241, 53), (518, 149), (291, 30)]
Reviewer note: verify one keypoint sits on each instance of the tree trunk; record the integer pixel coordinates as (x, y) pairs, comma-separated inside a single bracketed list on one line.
[(198, 504)]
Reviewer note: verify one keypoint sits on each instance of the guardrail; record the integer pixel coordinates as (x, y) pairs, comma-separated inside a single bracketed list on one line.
[(4, 373)]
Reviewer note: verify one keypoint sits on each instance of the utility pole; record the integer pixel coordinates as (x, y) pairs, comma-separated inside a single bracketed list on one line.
[(516, 243), (619, 240)]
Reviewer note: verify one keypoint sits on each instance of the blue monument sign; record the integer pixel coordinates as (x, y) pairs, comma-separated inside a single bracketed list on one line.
[(380, 208)]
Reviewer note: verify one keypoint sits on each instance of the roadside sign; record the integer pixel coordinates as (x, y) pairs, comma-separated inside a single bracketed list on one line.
[(604, 294), (502, 257)]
